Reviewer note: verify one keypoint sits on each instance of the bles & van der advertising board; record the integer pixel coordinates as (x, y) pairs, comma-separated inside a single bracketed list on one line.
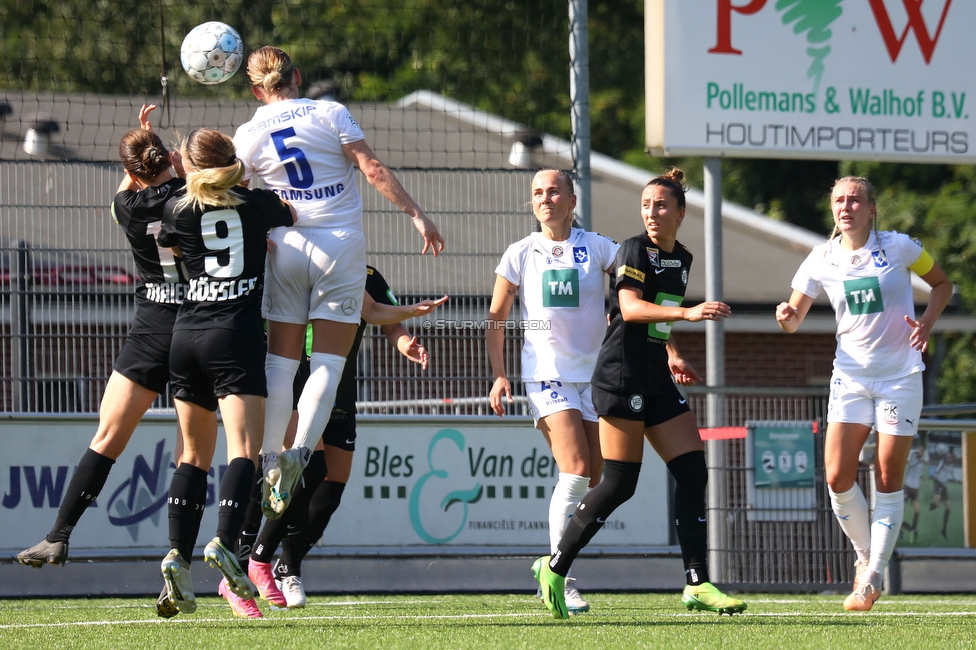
[(433, 483), (886, 80)]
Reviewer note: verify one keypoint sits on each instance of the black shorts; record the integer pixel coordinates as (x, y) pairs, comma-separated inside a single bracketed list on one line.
[(144, 360), (340, 432), (911, 494), (939, 490), (651, 409), (205, 365)]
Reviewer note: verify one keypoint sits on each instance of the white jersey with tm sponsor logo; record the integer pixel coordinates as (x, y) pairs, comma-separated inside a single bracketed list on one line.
[(561, 289), (870, 290), (295, 148)]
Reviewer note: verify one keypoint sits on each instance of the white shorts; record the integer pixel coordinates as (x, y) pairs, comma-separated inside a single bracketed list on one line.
[(548, 397), (891, 406), (314, 273)]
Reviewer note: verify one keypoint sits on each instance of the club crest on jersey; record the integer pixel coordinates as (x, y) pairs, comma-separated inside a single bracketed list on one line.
[(880, 259), (855, 259), (580, 255), (557, 251), (653, 255), (636, 403), (684, 276)]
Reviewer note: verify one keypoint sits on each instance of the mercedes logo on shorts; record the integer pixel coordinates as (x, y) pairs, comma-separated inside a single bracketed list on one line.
[(349, 306), (636, 403)]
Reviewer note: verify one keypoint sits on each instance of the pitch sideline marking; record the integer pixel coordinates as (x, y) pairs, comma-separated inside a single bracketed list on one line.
[(190, 620)]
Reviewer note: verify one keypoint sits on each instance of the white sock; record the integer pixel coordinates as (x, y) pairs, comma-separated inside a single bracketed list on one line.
[(889, 512), (277, 408), (318, 398), (569, 491), (851, 511)]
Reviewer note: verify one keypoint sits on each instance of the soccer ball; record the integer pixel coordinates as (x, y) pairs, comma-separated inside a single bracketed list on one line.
[(212, 52)]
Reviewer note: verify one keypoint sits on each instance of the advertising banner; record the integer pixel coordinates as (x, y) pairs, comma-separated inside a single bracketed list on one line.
[(417, 483), (833, 79), (783, 455)]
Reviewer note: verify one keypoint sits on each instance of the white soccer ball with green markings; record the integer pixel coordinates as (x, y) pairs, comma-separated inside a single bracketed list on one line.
[(212, 52)]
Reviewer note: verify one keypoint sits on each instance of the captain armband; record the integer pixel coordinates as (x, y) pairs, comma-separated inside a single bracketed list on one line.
[(923, 264)]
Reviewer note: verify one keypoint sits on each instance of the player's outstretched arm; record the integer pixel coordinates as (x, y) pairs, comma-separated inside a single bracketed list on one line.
[(379, 176), (376, 313)]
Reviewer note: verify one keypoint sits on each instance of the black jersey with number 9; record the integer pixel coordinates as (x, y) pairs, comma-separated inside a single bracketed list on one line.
[(224, 250)]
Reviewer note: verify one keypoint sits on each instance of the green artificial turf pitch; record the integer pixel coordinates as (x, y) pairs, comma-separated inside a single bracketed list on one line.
[(494, 621)]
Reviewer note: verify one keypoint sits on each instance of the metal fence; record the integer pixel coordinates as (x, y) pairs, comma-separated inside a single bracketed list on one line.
[(793, 545), (66, 280)]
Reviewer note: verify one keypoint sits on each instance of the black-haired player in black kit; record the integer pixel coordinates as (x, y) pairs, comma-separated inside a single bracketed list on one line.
[(218, 350), (635, 395), (141, 369), (303, 523)]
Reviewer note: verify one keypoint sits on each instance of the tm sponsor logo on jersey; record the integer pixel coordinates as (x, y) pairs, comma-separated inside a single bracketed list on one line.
[(863, 296), (205, 290), (312, 194), (283, 117)]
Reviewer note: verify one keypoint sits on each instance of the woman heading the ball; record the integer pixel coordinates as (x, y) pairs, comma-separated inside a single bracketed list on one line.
[(559, 275), (635, 395), (307, 152), (877, 376)]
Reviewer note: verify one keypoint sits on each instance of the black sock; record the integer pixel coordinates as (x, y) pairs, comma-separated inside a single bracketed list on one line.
[(187, 497), (84, 487), (945, 520), (691, 478), (296, 516), (915, 521), (618, 484), (324, 503), (235, 494), (252, 520), (202, 498)]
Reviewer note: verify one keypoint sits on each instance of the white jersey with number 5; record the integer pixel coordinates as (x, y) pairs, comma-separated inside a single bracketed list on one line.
[(561, 290), (295, 147), (870, 290)]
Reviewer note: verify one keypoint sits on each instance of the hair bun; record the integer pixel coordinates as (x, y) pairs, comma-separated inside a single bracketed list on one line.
[(676, 175)]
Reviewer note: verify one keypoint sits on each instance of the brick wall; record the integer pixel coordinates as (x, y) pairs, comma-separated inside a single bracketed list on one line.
[(767, 359)]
